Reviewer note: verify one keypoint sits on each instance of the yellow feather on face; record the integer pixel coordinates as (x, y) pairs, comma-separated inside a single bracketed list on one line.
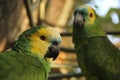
[(42, 39), (90, 14)]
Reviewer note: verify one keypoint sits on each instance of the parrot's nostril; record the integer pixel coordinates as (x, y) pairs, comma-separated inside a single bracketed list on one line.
[(55, 43)]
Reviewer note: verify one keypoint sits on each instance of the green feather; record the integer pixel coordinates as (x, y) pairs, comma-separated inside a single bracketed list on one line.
[(20, 63), (21, 66), (23, 42), (98, 58)]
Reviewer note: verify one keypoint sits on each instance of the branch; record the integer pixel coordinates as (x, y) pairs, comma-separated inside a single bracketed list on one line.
[(58, 75), (29, 8), (67, 49), (111, 33)]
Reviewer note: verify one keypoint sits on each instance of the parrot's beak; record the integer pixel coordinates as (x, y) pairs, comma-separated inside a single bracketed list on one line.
[(52, 52), (78, 19)]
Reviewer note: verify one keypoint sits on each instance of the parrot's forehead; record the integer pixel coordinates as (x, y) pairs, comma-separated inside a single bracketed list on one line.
[(86, 8), (50, 33)]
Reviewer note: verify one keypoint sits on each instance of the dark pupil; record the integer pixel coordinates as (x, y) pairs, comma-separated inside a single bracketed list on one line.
[(42, 37), (91, 15)]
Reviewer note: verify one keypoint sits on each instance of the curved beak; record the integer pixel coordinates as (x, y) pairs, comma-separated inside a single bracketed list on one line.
[(78, 19), (52, 52)]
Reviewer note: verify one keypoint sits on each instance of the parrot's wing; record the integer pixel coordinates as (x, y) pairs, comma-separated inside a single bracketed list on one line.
[(106, 59), (16, 66)]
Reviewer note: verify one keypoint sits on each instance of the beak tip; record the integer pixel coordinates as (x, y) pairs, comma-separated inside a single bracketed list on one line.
[(52, 52), (53, 59)]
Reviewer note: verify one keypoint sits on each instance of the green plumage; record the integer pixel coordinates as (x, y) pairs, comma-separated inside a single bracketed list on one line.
[(98, 58), (21, 66), (28, 58), (102, 58), (24, 38)]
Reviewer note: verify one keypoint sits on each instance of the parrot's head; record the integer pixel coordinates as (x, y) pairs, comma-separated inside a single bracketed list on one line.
[(84, 15), (41, 40), (85, 24)]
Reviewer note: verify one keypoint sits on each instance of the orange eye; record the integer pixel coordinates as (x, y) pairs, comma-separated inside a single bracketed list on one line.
[(91, 14)]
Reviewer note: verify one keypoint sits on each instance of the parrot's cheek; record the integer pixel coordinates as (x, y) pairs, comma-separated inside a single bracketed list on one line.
[(78, 20), (53, 52)]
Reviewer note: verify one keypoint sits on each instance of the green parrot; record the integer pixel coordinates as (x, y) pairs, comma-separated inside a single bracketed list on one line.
[(31, 55), (97, 57)]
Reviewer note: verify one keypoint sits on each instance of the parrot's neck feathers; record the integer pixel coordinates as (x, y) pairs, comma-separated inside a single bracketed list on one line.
[(23, 42), (22, 45), (86, 32), (94, 31)]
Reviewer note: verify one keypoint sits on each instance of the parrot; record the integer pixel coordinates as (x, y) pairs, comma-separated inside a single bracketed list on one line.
[(31, 54), (97, 57)]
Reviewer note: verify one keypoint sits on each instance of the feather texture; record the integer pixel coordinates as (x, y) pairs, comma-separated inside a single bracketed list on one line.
[(21, 66), (98, 58)]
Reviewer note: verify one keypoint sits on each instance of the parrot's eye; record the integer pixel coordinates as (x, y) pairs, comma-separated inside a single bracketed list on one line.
[(42, 37), (91, 14)]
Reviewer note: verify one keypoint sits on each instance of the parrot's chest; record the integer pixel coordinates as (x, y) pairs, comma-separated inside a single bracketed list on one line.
[(22, 67), (91, 53)]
